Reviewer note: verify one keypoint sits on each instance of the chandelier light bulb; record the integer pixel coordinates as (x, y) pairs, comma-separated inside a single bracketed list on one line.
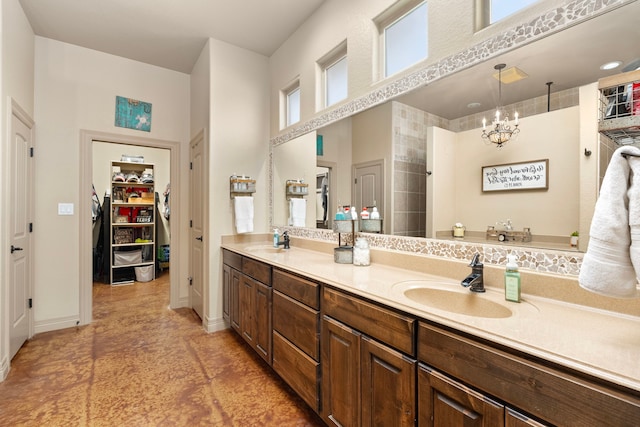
[(500, 131)]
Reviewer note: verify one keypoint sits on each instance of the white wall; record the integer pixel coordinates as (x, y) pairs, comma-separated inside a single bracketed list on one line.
[(75, 88), (239, 129), (337, 150), (554, 136), (16, 75), (441, 184), (339, 20), (298, 161)]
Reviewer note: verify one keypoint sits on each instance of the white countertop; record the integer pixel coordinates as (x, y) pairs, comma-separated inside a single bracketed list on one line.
[(600, 343)]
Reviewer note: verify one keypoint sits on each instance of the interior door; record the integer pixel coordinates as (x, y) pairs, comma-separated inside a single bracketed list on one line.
[(368, 187), (21, 204), (197, 229)]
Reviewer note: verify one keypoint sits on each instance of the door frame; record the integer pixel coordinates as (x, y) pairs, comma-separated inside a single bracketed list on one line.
[(84, 210)]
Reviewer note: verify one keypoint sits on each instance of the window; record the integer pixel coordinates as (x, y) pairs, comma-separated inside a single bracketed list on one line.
[(500, 9), (336, 81), (293, 105), (405, 39), (333, 79)]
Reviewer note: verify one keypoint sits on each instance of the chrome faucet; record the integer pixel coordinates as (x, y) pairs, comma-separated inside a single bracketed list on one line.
[(285, 240), (475, 281)]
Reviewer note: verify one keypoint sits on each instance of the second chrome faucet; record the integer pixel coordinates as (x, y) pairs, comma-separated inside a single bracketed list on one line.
[(475, 281)]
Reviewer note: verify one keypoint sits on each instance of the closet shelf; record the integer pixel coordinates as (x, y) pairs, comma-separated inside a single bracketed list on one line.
[(619, 107)]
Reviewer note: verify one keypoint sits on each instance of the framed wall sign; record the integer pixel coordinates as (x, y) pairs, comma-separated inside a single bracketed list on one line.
[(531, 175)]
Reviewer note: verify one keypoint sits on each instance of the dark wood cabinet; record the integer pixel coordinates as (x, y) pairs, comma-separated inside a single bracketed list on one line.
[(249, 301), (388, 385), (366, 382), (296, 334), (340, 374), (234, 300), (443, 402), (359, 362)]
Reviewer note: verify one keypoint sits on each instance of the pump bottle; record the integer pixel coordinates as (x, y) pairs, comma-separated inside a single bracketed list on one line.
[(512, 280)]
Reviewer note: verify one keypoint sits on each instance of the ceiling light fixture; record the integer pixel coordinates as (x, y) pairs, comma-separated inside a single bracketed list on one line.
[(500, 131), (610, 65)]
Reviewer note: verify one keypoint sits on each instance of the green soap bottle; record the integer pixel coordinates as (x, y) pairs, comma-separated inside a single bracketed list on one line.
[(512, 280)]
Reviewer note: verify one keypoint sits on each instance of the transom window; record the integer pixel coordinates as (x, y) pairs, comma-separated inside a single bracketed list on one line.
[(333, 79), (404, 38), (500, 9), (290, 104)]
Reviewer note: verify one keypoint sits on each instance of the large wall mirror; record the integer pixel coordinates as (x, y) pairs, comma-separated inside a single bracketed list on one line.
[(425, 146)]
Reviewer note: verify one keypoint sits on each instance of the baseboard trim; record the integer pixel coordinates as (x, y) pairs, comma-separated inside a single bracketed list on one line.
[(4, 368), (56, 324), (215, 325)]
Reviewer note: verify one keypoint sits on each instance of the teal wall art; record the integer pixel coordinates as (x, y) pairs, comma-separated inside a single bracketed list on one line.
[(133, 114)]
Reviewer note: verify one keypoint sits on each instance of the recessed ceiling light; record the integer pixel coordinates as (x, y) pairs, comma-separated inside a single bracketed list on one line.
[(610, 65), (473, 105)]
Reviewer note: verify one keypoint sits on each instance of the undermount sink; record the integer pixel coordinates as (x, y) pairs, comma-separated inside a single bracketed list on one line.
[(447, 298), (265, 249), (462, 303)]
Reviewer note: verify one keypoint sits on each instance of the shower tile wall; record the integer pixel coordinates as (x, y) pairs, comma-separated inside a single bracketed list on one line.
[(409, 168)]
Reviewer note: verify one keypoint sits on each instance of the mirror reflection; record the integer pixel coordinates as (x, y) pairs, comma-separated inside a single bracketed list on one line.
[(421, 155)]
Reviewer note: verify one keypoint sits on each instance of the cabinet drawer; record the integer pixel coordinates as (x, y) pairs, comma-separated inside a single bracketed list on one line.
[(256, 269), (299, 371), (297, 288), (393, 329), (544, 392), (232, 259), (298, 323)]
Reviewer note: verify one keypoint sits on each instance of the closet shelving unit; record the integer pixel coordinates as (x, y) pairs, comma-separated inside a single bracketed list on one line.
[(133, 222), (619, 109)]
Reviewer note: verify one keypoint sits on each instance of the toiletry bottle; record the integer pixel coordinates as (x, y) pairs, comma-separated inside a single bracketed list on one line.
[(512, 280), (347, 212), (374, 213), (364, 214), (354, 213), (340, 214), (276, 237)]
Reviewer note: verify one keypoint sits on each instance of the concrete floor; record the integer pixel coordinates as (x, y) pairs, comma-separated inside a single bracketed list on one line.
[(142, 364)]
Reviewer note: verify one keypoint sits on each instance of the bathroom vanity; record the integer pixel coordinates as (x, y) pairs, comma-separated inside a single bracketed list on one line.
[(382, 345)]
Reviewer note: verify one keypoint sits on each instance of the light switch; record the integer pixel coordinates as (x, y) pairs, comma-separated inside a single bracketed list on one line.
[(65, 208)]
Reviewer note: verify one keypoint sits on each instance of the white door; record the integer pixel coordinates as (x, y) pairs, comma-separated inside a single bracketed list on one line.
[(368, 186), (197, 231), (21, 203)]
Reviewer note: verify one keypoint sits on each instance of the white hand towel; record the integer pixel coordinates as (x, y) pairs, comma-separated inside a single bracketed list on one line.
[(607, 268), (244, 213), (297, 212)]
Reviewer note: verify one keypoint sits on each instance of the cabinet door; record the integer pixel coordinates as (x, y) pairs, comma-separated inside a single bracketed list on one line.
[(234, 309), (262, 320), (388, 386), (247, 304), (226, 291), (443, 402), (340, 374)]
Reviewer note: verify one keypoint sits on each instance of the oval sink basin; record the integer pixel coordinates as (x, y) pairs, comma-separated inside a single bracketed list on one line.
[(470, 304), (265, 249)]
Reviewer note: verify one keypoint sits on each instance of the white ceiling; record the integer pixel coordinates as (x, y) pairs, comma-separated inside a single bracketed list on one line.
[(171, 34), (168, 33)]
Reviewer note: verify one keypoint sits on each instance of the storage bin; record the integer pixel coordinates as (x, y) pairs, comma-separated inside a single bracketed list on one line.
[(144, 273), (127, 258)]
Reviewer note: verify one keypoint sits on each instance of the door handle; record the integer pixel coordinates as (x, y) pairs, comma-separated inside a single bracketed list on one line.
[(199, 238), (15, 248)]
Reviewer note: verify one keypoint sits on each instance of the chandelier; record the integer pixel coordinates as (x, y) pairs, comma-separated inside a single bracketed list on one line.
[(500, 131)]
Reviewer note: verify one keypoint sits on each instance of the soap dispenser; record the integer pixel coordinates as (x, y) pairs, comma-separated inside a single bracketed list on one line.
[(512, 280), (276, 238)]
